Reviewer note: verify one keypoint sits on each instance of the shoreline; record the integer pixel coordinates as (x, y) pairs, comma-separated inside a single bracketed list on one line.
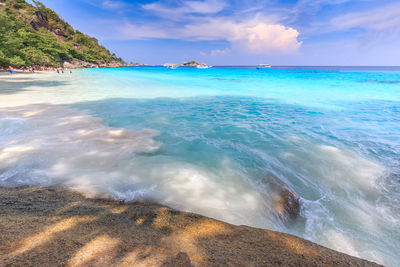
[(53, 226)]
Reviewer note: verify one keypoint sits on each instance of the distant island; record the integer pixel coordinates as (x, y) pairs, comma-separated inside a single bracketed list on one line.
[(36, 35), (190, 64), (187, 64), (136, 64)]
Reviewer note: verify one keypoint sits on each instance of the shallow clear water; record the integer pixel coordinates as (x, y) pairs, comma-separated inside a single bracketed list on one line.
[(210, 140)]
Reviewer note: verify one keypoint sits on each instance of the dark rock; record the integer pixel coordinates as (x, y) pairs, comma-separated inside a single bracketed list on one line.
[(285, 201), (110, 65), (39, 15), (59, 32), (39, 22)]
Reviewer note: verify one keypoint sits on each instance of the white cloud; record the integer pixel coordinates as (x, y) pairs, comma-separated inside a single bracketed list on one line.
[(378, 19), (107, 4), (306, 10), (188, 7), (253, 36), (220, 52), (263, 38), (250, 31)]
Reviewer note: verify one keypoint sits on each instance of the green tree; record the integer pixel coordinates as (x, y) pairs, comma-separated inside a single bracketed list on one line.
[(52, 43)]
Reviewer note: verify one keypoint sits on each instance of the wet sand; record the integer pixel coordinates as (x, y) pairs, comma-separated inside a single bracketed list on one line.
[(55, 227)]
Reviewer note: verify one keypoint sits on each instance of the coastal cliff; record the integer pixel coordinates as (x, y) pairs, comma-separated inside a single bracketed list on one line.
[(36, 35), (54, 227)]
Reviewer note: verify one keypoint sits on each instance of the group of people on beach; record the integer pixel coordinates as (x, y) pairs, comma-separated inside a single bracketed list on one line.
[(34, 68)]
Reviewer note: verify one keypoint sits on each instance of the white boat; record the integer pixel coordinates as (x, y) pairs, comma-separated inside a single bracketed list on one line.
[(263, 66), (171, 65), (203, 66)]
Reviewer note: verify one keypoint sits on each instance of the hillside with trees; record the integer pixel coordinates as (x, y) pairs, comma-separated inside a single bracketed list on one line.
[(35, 34)]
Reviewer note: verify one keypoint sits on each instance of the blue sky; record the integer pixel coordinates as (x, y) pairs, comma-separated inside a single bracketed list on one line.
[(223, 32)]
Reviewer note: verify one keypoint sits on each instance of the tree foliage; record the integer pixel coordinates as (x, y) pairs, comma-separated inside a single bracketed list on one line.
[(37, 35)]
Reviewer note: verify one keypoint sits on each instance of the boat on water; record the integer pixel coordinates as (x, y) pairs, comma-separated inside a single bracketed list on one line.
[(171, 65), (263, 66), (203, 66)]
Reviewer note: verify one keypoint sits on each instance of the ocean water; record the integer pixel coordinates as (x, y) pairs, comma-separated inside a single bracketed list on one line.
[(211, 140)]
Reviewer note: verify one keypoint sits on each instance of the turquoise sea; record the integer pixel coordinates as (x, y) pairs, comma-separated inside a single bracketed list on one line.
[(211, 140)]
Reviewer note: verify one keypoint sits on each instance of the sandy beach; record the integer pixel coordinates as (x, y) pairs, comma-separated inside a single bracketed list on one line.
[(55, 227)]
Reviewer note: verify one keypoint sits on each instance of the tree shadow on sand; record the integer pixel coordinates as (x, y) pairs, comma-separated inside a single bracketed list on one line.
[(49, 226), (13, 85)]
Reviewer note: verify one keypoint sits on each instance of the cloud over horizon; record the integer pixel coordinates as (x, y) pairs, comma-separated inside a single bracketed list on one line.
[(197, 21)]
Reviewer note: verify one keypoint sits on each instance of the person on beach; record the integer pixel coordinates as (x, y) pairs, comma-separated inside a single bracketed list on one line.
[(10, 69)]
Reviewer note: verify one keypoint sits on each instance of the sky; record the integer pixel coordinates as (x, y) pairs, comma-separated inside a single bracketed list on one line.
[(246, 32)]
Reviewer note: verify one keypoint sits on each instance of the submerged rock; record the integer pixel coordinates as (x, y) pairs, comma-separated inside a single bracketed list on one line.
[(285, 202)]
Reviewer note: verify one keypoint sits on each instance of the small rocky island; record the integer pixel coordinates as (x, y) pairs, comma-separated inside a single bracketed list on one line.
[(190, 64)]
